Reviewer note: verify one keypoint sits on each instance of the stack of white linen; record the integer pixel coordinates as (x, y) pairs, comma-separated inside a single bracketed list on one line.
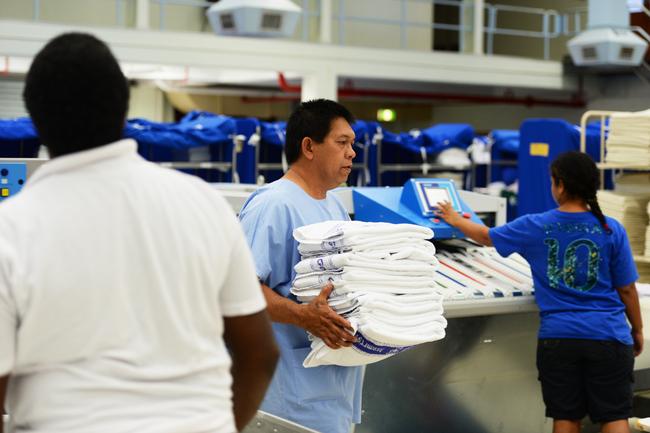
[(644, 272), (630, 209), (383, 282), (629, 138), (647, 234)]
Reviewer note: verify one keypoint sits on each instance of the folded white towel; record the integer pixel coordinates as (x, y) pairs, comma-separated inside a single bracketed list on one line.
[(401, 312), (398, 324), (363, 276), (338, 261), (402, 305), (357, 243), (420, 332), (385, 336), (309, 294), (329, 230), (414, 250)]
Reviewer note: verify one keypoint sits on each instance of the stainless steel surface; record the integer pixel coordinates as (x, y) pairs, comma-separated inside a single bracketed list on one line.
[(488, 307), (481, 378)]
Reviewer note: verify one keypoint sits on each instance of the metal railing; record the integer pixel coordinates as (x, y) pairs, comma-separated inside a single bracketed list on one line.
[(548, 17), (549, 24)]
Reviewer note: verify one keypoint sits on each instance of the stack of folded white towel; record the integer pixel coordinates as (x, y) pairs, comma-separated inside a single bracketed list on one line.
[(630, 210), (629, 138), (647, 234), (383, 282)]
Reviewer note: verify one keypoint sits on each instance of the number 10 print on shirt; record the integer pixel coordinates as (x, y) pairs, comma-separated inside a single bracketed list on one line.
[(571, 266)]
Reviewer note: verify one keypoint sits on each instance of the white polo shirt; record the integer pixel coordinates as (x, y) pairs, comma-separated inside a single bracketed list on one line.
[(115, 276)]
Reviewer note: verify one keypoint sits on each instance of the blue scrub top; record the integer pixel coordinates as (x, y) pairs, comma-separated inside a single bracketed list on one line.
[(577, 267), (327, 398)]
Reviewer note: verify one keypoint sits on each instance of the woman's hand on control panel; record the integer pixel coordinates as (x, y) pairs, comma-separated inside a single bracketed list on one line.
[(447, 212)]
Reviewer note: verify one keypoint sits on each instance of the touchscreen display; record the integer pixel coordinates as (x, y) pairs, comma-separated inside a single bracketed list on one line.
[(436, 195)]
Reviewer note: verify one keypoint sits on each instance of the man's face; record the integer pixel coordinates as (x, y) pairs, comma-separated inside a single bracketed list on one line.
[(333, 157)]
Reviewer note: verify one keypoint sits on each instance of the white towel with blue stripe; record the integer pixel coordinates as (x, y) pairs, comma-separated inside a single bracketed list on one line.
[(375, 342), (357, 244), (364, 276)]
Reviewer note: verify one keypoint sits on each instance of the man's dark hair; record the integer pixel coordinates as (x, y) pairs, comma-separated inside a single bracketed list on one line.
[(76, 94), (312, 119)]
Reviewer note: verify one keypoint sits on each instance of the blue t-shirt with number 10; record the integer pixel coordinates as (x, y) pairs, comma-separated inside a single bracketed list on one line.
[(576, 268)]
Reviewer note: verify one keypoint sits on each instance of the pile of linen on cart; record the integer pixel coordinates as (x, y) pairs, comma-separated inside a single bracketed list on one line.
[(629, 138), (383, 282)]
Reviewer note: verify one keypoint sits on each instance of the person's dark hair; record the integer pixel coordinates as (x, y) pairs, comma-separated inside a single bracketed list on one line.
[(312, 119), (76, 94), (580, 178)]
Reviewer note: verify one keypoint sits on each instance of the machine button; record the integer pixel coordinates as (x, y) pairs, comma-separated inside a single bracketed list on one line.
[(4, 181), (466, 215), (4, 192), (436, 220), (4, 172)]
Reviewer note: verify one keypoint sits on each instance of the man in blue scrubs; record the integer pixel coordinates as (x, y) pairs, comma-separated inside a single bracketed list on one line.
[(319, 151)]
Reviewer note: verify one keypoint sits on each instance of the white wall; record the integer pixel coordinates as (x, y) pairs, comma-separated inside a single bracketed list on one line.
[(624, 93), (484, 117), (105, 13), (11, 99), (384, 35), (149, 102)]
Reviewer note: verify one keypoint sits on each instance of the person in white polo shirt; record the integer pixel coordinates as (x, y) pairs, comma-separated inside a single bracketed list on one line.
[(127, 291)]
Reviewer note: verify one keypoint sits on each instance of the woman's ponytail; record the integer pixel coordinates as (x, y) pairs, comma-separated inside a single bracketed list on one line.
[(594, 207)]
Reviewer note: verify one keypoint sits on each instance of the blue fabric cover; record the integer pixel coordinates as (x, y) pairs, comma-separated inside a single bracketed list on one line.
[(274, 133), (17, 129), (18, 138), (505, 140), (196, 129), (158, 141), (273, 137), (246, 158), (534, 171), (444, 136), (207, 128), (363, 133), (393, 148), (505, 147), (406, 148)]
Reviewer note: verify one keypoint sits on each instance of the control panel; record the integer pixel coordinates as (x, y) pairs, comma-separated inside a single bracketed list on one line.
[(415, 203), (12, 178), (425, 194)]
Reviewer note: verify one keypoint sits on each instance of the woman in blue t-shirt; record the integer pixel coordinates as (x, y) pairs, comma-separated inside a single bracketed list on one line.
[(584, 278)]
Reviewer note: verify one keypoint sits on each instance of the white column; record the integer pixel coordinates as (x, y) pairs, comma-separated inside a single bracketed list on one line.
[(320, 84), (479, 13), (326, 21), (142, 15)]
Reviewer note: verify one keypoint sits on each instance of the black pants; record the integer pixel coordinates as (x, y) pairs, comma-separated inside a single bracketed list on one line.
[(581, 377)]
